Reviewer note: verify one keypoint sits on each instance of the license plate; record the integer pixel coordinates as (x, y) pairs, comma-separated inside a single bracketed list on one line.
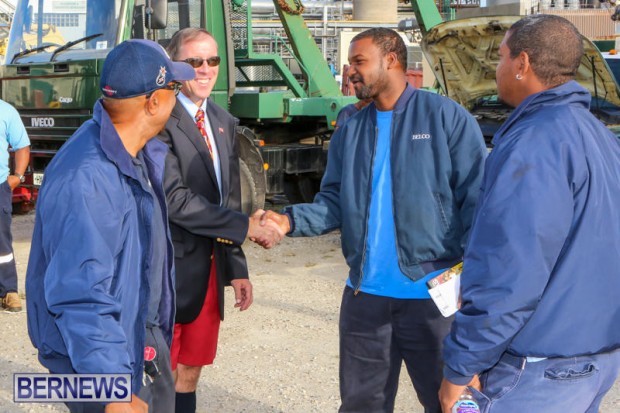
[(37, 179)]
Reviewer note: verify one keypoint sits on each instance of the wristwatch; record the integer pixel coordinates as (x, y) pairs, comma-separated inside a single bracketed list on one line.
[(22, 178)]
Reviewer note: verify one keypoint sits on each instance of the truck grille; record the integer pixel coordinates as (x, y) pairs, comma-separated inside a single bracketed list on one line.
[(48, 130)]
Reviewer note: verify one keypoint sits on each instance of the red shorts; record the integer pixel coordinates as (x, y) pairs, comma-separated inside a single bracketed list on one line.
[(195, 343)]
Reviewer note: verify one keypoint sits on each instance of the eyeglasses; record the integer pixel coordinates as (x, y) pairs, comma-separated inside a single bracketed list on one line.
[(196, 62), (176, 86)]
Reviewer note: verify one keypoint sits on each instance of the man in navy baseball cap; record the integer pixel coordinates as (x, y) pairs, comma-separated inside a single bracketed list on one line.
[(102, 287), (138, 67)]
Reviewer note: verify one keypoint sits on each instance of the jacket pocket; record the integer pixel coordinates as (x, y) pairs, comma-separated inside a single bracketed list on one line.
[(441, 211)]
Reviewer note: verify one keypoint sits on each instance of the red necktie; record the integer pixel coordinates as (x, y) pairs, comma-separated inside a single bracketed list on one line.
[(200, 122)]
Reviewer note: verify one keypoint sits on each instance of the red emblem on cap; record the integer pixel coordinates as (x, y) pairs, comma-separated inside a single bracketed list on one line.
[(149, 353), (107, 89), (161, 77)]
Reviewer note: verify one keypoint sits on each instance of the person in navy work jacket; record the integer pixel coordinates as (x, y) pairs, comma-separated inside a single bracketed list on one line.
[(100, 280), (401, 183), (540, 313)]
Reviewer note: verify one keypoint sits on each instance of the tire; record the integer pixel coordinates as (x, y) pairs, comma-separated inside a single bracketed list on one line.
[(251, 200), (301, 188), (253, 177)]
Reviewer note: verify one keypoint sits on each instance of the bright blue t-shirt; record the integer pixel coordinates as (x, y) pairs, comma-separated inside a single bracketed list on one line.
[(381, 273), (12, 132)]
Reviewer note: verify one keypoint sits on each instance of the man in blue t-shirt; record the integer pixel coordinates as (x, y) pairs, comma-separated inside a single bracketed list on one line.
[(13, 134), (401, 183)]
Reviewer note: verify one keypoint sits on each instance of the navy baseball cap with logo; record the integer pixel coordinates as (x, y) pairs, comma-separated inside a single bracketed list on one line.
[(138, 67)]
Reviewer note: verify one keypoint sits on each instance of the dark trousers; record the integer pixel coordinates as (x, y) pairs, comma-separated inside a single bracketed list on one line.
[(376, 335), (8, 272), (158, 394)]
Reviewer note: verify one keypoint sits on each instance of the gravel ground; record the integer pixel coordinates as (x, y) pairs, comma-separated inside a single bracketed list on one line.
[(279, 356)]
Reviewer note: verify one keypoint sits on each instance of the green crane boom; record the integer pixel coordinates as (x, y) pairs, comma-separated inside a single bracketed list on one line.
[(321, 82)]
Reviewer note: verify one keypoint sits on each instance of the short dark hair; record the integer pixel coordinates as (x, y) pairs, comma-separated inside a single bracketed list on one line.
[(553, 45), (388, 41), (182, 36)]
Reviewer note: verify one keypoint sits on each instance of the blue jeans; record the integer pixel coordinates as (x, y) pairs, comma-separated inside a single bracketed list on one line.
[(554, 385)]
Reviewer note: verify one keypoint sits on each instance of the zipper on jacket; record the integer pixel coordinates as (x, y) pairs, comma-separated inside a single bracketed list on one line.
[(393, 203), (372, 165)]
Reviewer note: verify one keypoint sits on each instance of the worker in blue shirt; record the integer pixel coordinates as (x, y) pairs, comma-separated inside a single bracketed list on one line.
[(13, 134), (332, 67)]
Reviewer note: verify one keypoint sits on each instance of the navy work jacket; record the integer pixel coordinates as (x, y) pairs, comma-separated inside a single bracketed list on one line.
[(437, 159), (540, 277), (87, 281)]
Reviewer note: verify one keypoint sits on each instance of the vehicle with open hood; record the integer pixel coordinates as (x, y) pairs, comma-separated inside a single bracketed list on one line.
[(463, 55)]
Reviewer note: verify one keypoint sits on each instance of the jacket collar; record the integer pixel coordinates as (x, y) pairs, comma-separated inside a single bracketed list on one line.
[(400, 105), (113, 148), (569, 93)]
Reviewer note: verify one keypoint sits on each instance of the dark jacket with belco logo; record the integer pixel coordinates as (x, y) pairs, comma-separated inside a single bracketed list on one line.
[(437, 160)]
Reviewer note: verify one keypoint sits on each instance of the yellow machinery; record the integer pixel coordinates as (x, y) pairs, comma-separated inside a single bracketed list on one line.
[(50, 35)]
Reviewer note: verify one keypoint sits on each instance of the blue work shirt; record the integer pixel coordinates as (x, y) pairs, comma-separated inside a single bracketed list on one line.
[(12, 132)]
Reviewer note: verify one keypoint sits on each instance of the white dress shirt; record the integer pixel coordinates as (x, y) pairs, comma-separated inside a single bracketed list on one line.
[(192, 109)]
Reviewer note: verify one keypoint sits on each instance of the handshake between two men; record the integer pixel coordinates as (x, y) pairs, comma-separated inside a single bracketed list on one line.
[(267, 228)]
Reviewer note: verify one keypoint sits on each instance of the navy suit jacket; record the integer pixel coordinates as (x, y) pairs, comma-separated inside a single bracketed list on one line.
[(203, 225)]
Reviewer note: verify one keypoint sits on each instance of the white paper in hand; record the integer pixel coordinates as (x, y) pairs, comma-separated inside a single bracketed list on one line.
[(445, 289)]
